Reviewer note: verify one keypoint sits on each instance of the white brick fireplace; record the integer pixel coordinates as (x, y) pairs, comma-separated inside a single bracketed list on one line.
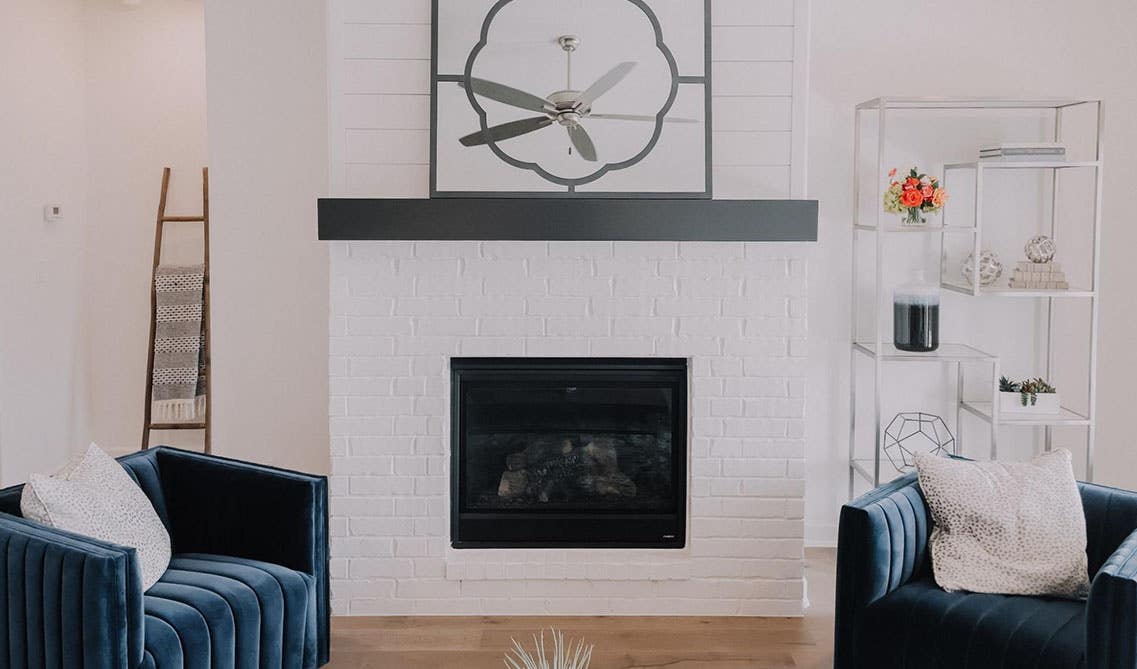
[(401, 310)]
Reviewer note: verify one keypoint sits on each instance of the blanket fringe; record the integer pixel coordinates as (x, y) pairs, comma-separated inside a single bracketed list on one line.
[(178, 411)]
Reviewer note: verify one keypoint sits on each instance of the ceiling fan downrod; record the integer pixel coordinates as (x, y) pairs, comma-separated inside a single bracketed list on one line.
[(569, 43)]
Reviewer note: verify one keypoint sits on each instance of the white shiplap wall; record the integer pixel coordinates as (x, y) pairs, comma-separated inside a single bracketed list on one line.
[(379, 94)]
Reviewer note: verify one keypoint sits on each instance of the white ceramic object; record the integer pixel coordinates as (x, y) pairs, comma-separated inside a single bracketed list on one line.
[(1047, 403), (1040, 249), (990, 267)]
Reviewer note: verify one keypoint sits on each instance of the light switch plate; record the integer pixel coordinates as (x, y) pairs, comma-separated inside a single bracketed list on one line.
[(52, 212)]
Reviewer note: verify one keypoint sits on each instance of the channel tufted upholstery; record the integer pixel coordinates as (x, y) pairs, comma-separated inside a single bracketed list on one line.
[(890, 612), (247, 587)]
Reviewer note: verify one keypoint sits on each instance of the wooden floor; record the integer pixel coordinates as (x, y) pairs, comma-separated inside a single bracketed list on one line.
[(621, 642)]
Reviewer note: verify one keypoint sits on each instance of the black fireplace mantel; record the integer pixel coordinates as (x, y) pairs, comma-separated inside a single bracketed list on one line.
[(568, 219)]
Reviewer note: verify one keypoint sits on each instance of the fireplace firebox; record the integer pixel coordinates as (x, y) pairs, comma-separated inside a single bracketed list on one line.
[(568, 452)]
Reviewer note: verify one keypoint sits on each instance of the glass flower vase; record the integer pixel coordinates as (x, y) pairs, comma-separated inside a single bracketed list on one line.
[(914, 216)]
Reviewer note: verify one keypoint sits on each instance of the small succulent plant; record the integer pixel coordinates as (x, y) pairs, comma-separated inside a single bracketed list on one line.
[(1029, 389), (1032, 388)]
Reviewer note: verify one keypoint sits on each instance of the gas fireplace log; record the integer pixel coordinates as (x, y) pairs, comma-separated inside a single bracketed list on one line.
[(592, 468), (616, 485), (516, 461), (513, 484)]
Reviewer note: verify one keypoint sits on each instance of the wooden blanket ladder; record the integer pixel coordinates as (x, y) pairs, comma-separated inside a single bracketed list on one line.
[(206, 421)]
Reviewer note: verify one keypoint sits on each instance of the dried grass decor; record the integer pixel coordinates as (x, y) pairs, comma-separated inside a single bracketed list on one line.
[(571, 655)]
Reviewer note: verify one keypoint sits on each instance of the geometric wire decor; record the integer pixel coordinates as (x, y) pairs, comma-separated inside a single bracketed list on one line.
[(912, 433)]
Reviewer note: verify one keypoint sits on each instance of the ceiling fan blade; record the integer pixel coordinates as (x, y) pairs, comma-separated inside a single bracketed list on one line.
[(643, 117), (582, 142), (601, 85), (509, 95), (506, 130)]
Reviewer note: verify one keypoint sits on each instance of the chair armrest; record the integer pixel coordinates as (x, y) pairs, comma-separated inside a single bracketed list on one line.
[(1111, 514), (228, 507), (68, 600), (1111, 612), (881, 542)]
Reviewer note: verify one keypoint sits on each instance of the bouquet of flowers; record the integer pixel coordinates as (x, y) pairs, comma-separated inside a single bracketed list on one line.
[(914, 196)]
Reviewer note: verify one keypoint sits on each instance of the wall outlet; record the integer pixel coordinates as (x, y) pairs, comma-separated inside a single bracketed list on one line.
[(52, 212)]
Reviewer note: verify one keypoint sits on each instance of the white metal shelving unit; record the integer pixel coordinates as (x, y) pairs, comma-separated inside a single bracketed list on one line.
[(956, 355), (960, 354)]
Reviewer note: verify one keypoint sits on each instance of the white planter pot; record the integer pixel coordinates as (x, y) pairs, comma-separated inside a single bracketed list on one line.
[(1047, 403)]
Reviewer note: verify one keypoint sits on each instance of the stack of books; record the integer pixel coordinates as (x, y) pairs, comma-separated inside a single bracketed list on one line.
[(1023, 151), (1039, 275)]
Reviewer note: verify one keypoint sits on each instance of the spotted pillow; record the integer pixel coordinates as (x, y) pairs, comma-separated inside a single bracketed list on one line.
[(94, 496), (1014, 528)]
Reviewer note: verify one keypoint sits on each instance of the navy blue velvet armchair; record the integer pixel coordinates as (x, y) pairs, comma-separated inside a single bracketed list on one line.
[(247, 586), (890, 613)]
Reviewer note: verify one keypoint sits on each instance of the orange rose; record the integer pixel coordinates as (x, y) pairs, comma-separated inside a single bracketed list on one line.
[(911, 183), (939, 198), (911, 198)]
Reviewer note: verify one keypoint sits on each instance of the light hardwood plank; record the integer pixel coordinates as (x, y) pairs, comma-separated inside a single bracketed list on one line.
[(477, 642)]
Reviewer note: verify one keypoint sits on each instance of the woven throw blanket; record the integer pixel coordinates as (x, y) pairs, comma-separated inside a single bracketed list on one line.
[(179, 370)]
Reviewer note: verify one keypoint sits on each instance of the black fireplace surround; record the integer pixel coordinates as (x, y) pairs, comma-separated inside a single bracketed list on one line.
[(568, 452)]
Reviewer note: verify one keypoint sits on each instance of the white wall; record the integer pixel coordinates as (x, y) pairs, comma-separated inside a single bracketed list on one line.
[(42, 408), (74, 296), (968, 48), (268, 156), (105, 96), (145, 101)]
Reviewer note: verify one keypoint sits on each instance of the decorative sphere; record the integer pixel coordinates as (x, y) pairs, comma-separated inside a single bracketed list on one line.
[(1040, 249), (990, 267)]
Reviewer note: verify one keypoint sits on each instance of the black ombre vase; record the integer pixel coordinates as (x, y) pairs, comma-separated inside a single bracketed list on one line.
[(916, 318)]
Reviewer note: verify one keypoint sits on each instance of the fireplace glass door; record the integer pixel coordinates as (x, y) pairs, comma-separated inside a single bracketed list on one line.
[(568, 452)]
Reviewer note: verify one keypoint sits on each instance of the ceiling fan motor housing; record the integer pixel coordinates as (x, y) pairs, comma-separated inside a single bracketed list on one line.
[(568, 111)]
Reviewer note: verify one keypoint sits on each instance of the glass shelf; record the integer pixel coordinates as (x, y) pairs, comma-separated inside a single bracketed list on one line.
[(1064, 417), (945, 353), (1021, 164), (1006, 291), (915, 229), (970, 103)]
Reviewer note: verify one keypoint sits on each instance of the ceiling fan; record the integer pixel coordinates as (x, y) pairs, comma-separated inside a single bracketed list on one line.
[(566, 107)]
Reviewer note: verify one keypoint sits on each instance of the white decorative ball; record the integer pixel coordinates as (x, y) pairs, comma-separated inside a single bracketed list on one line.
[(990, 267), (1040, 249)]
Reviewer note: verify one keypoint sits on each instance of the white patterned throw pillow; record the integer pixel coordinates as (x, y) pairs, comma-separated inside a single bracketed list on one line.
[(94, 496), (1013, 528)]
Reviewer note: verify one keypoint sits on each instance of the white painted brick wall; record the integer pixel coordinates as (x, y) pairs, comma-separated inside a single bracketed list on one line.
[(400, 310)]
